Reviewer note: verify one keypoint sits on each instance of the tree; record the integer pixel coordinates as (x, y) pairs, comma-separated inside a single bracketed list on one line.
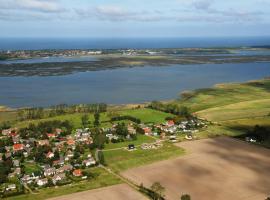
[(158, 190), (85, 121), (101, 158), (185, 197), (99, 138), (96, 116)]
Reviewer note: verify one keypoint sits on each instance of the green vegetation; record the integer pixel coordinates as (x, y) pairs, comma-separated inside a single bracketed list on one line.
[(102, 179), (30, 168), (147, 115), (225, 94), (121, 159)]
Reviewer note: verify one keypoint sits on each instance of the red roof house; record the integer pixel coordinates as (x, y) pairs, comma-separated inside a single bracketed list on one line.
[(77, 172), (18, 147)]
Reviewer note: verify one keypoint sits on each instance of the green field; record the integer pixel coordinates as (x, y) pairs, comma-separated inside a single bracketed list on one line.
[(102, 180), (120, 160), (246, 109), (144, 114), (226, 94)]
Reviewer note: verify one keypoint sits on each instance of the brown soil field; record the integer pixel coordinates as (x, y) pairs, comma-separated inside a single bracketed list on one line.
[(116, 192), (213, 169)]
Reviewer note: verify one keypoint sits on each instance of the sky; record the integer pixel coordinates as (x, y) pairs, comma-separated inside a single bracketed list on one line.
[(134, 18)]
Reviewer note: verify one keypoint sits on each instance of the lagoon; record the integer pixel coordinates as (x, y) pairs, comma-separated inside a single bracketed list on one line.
[(123, 85)]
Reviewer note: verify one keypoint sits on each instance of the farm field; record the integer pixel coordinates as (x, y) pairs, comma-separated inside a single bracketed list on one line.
[(201, 173), (116, 192)]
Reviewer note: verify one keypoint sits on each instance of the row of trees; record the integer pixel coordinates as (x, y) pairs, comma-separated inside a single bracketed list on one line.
[(157, 192), (126, 117), (171, 108), (61, 109), (40, 130)]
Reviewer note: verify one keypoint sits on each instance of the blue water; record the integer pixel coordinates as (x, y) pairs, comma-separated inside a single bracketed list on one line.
[(126, 85), (116, 43)]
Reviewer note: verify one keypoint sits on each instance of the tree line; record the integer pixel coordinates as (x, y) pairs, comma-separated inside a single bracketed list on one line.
[(126, 117), (171, 108), (61, 109)]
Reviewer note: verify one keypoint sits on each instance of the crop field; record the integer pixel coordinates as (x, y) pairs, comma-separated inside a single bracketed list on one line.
[(220, 168), (116, 192)]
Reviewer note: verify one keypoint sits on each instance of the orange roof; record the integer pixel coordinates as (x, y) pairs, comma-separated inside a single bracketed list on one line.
[(17, 147), (77, 172), (170, 122), (147, 130), (71, 142)]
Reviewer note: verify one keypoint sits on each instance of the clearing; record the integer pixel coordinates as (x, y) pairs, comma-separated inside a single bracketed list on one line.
[(221, 168)]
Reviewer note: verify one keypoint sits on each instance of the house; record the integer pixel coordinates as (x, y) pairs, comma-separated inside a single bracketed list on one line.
[(27, 179), (58, 131), (18, 147), (67, 168), (42, 182), (89, 162), (50, 155), (147, 131), (49, 171), (51, 135), (16, 163), (6, 132), (131, 129), (71, 142), (170, 123), (77, 172), (43, 142), (58, 177), (11, 187), (59, 162)]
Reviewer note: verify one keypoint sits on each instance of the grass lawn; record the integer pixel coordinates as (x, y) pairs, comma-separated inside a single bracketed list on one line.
[(31, 167), (120, 160), (140, 139), (104, 179), (147, 115)]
